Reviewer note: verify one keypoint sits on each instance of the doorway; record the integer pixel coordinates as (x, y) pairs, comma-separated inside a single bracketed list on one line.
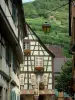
[(41, 97)]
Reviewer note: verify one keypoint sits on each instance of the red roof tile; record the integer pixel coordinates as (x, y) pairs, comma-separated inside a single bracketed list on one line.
[(56, 50)]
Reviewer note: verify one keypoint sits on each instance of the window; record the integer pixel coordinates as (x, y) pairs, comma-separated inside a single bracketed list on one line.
[(22, 81), (45, 79), (39, 62), (22, 75), (25, 86), (22, 87), (33, 79), (49, 86), (8, 54), (26, 45)]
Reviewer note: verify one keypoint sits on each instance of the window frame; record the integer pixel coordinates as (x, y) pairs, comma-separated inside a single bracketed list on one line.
[(26, 45), (39, 61)]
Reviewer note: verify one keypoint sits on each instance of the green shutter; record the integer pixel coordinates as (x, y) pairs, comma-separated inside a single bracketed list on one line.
[(13, 95)]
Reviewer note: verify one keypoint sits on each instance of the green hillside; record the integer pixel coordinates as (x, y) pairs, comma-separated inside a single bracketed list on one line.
[(36, 14)]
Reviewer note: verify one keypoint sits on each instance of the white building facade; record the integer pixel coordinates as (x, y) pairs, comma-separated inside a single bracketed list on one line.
[(12, 32)]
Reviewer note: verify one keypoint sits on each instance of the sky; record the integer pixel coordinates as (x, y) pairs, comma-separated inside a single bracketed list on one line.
[(27, 1)]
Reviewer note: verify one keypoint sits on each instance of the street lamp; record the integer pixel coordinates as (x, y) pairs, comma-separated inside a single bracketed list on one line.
[(46, 27)]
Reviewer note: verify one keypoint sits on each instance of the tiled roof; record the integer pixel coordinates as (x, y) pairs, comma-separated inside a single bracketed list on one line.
[(56, 50)]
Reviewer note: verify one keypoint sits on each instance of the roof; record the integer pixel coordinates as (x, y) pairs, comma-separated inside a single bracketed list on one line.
[(56, 50), (49, 51)]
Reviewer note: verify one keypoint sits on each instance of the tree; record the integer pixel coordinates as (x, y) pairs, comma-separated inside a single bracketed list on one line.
[(64, 79)]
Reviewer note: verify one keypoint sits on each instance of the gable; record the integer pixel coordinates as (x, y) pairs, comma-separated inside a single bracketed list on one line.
[(38, 58), (37, 44)]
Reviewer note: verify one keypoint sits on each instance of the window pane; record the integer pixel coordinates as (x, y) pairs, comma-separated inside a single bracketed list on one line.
[(30, 81), (32, 58), (28, 58), (21, 75), (29, 62), (25, 68), (25, 75), (41, 53), (32, 43), (30, 87), (39, 61), (49, 68), (50, 80), (25, 86), (50, 63), (50, 75), (44, 68), (49, 86), (45, 58), (22, 81), (45, 62), (50, 58), (26, 80), (21, 87), (35, 53), (25, 62), (29, 68)]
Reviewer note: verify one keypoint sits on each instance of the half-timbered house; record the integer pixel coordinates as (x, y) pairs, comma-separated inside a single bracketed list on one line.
[(36, 77)]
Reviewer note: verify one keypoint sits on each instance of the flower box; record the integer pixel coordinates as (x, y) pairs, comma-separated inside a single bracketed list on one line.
[(39, 68), (27, 52)]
